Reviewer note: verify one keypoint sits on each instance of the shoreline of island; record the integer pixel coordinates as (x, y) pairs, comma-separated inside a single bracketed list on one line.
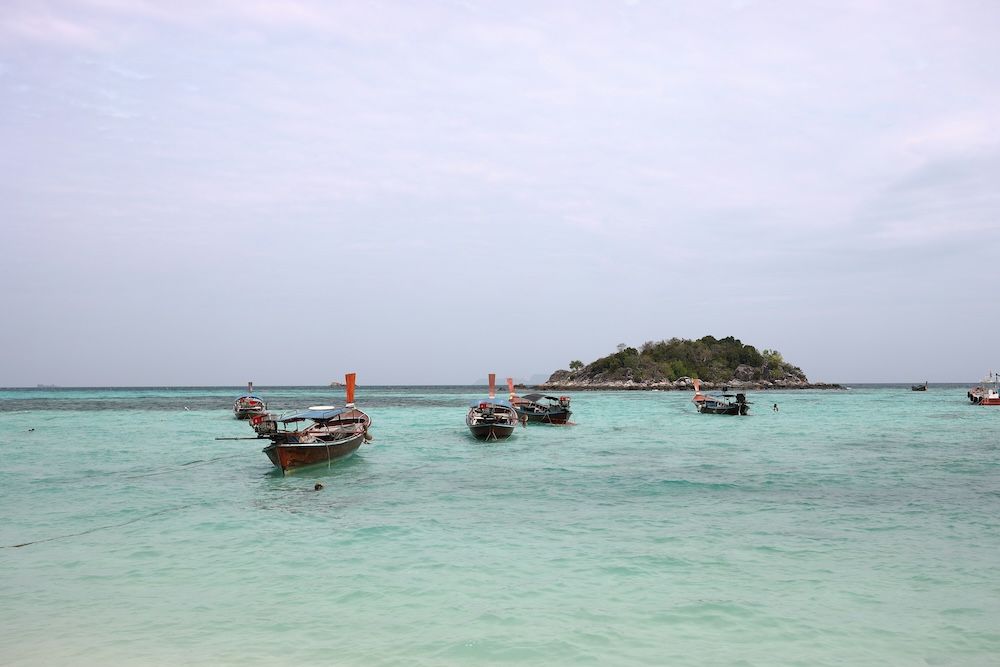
[(682, 384)]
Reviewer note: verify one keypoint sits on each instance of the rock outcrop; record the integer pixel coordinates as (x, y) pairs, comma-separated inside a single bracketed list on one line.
[(671, 364), (563, 380)]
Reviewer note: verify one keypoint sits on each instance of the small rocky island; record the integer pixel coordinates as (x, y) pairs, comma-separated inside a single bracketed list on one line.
[(673, 364)]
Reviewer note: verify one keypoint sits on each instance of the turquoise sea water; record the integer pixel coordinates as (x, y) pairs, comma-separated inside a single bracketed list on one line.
[(857, 527)]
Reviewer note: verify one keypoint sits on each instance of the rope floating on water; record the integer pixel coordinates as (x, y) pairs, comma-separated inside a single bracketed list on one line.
[(94, 530), (193, 464)]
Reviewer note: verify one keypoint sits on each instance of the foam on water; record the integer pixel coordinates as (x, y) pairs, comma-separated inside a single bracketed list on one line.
[(851, 527)]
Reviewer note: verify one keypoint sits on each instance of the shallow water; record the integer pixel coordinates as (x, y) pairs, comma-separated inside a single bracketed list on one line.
[(856, 527)]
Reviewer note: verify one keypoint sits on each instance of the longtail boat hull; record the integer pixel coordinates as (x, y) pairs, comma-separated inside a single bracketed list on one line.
[(488, 432), (554, 417), (723, 409), (249, 412), (290, 457)]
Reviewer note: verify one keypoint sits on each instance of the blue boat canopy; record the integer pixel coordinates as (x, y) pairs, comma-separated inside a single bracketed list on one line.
[(315, 415), (492, 401)]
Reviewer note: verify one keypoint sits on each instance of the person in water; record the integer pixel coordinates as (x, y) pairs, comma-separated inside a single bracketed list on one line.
[(775, 407)]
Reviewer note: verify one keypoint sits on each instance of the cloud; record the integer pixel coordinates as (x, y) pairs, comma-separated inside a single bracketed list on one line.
[(605, 153), (944, 201), (49, 29)]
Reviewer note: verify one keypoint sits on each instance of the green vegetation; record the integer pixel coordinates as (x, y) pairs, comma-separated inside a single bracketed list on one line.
[(708, 358)]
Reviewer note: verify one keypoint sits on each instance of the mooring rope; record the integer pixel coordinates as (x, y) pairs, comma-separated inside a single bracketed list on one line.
[(94, 530), (193, 464), (190, 466)]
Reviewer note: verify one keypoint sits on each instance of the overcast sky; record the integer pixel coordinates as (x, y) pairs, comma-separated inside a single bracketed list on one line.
[(426, 191)]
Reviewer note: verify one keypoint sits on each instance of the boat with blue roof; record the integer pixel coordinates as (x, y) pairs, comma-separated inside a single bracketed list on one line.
[(317, 435), (249, 405), (491, 418)]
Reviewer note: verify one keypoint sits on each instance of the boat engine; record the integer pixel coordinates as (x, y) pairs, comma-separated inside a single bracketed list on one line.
[(264, 425)]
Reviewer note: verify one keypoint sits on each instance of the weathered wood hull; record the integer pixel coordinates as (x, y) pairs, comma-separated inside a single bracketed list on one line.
[(292, 456), (551, 417)]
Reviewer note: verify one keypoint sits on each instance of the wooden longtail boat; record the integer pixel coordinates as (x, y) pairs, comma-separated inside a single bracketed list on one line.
[(919, 387), (317, 435), (540, 408), (491, 418), (249, 404), (720, 403)]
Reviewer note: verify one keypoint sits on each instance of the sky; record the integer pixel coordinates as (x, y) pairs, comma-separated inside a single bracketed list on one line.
[(205, 193)]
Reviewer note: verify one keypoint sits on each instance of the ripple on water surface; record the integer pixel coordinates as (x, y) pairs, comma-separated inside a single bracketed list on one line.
[(824, 533)]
